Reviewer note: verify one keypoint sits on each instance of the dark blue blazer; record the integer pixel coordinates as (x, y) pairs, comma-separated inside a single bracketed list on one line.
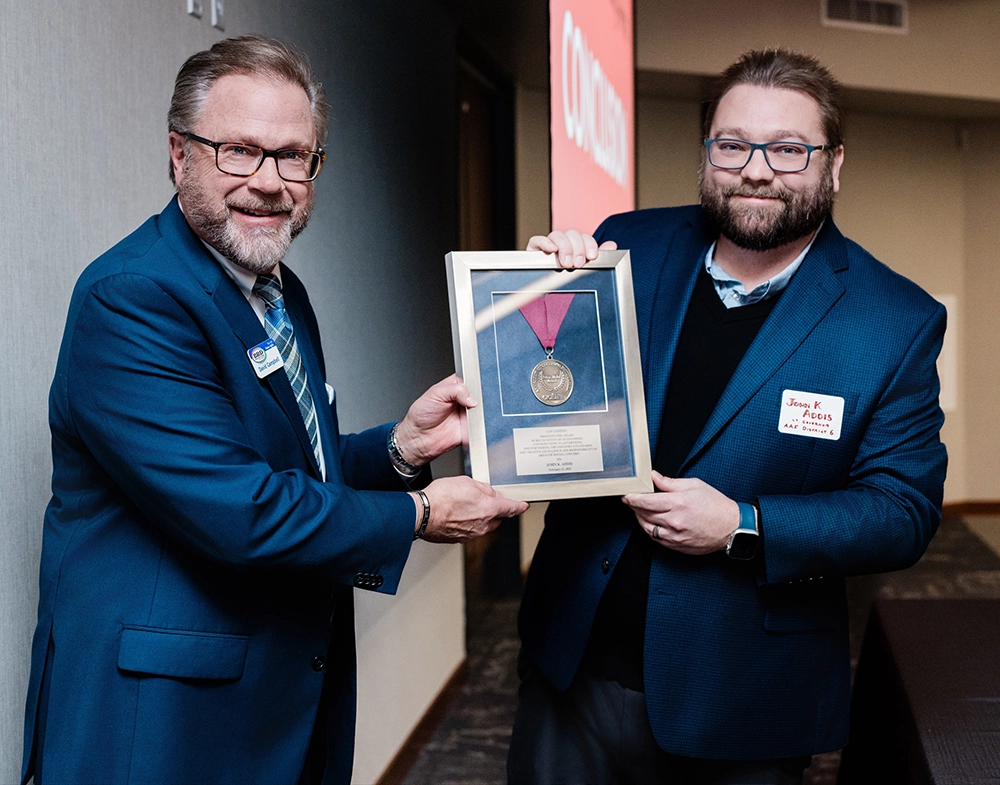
[(750, 660), (191, 558)]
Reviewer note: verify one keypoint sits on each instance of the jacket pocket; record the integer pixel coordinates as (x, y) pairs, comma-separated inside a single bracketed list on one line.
[(183, 654)]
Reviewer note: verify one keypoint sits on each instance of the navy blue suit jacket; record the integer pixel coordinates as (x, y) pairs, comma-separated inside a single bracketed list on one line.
[(748, 660), (192, 558)]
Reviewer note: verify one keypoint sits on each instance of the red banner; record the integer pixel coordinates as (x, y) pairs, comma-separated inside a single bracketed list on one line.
[(592, 68)]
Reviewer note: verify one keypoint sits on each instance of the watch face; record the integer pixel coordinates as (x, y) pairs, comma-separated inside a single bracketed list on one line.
[(743, 545)]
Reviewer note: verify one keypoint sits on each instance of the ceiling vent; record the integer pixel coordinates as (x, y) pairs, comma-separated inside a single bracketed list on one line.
[(887, 16)]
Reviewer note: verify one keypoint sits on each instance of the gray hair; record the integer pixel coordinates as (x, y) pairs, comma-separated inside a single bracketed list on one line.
[(248, 54)]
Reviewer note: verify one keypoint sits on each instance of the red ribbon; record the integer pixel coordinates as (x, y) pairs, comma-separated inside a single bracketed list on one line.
[(545, 316)]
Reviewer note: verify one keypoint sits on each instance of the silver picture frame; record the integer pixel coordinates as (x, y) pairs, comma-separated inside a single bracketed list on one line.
[(525, 442)]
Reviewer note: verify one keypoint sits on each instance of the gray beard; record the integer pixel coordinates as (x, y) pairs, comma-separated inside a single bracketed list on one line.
[(760, 228), (257, 250)]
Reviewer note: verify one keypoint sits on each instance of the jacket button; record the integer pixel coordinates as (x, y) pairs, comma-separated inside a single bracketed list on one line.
[(379, 580), (318, 663), (605, 565)]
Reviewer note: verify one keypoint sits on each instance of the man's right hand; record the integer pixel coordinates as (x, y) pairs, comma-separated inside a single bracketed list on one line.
[(463, 509), (572, 248)]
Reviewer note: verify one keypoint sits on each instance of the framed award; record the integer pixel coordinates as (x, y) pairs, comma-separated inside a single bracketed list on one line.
[(552, 356)]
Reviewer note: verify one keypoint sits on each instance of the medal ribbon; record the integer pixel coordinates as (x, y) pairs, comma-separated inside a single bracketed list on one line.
[(545, 316)]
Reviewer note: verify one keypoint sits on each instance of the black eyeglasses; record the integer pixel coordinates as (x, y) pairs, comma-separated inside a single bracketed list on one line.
[(784, 157), (244, 160)]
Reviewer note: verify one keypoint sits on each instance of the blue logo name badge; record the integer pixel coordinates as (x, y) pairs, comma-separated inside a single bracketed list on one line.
[(265, 358)]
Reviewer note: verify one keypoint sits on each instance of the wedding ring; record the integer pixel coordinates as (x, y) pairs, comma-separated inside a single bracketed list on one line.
[(656, 531)]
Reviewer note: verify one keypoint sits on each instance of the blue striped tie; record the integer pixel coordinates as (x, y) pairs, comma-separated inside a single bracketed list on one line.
[(279, 330)]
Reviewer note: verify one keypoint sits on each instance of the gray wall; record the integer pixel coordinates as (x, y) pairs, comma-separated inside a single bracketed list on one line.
[(84, 89)]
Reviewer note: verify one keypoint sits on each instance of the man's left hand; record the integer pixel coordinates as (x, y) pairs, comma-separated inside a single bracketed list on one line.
[(688, 515), (435, 422), (571, 248)]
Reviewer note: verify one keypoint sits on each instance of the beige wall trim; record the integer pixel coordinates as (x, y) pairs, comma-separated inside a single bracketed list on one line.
[(396, 772), (982, 507)]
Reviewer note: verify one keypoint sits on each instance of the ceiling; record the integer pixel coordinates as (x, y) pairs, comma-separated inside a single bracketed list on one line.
[(514, 35)]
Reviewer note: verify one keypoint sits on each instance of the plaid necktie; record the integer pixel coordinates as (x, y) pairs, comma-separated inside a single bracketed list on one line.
[(279, 330)]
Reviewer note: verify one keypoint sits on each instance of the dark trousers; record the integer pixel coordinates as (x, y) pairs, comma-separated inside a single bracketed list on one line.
[(598, 733)]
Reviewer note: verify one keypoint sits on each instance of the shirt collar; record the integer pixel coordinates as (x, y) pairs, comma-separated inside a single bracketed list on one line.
[(242, 277), (732, 292)]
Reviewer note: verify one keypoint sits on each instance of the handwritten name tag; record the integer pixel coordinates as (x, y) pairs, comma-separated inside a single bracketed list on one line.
[(811, 414)]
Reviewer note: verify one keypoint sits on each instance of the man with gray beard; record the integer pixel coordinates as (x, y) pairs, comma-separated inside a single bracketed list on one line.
[(698, 634), (208, 521)]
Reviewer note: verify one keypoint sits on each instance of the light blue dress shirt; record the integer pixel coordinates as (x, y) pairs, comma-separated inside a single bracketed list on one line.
[(732, 292)]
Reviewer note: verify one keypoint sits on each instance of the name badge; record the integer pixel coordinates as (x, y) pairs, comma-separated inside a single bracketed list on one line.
[(811, 414), (265, 358)]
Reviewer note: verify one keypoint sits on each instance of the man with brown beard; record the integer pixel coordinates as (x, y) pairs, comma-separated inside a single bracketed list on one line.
[(698, 634), (208, 520)]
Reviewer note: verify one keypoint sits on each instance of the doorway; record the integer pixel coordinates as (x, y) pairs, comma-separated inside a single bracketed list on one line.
[(486, 223)]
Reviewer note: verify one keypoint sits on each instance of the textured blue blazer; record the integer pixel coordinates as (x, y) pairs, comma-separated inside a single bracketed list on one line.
[(191, 557), (748, 660)]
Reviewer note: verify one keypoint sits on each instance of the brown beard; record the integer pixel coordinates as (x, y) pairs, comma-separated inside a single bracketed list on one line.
[(762, 228)]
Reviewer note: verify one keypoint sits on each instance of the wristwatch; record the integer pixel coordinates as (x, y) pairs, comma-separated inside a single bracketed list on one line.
[(742, 543)]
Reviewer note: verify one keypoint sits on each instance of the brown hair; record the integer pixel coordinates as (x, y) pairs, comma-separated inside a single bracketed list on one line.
[(248, 54), (780, 68)]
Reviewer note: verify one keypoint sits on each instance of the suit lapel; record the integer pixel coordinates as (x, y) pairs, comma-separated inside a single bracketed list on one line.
[(296, 303), (812, 292), (247, 327), (669, 298), (237, 312)]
